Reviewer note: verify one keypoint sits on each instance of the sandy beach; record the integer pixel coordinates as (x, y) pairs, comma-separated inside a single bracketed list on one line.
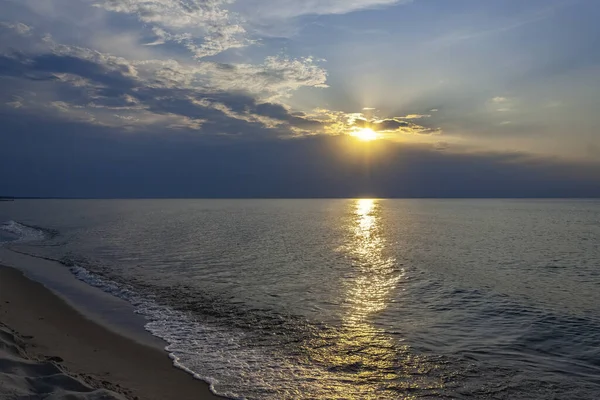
[(49, 350)]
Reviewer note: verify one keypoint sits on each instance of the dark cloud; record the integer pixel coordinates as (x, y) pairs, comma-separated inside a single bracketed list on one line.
[(53, 63), (396, 124), (279, 112), (361, 123), (391, 124), (71, 159), (47, 66), (95, 84)]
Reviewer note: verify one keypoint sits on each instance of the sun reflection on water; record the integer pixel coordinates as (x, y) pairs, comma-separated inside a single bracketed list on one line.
[(378, 275), (372, 363)]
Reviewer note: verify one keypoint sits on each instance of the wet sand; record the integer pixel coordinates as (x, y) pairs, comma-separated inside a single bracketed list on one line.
[(50, 350)]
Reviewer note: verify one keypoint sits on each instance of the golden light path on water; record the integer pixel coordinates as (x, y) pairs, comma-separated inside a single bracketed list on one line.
[(368, 362), (378, 276)]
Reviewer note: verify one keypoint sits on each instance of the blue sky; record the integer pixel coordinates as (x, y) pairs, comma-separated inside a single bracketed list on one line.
[(503, 81)]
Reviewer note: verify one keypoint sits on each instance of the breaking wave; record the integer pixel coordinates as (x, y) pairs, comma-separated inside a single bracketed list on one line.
[(13, 231)]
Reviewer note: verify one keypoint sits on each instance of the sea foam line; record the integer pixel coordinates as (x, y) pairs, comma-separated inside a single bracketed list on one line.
[(174, 327), (162, 321), (24, 233)]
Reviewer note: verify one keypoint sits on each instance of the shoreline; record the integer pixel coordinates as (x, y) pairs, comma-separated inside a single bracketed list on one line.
[(40, 328)]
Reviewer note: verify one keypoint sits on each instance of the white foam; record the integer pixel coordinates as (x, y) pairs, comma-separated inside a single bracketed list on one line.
[(224, 356), (23, 233), (163, 321), (216, 354)]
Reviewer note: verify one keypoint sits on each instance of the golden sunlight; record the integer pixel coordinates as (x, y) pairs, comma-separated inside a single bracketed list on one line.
[(365, 134)]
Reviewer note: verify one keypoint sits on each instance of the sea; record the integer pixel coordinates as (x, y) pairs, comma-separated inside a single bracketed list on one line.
[(345, 298)]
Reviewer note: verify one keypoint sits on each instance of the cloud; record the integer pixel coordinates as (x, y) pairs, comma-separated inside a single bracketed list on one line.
[(210, 27), (403, 124), (101, 89), (502, 104), (284, 18), (172, 13), (538, 15), (277, 76), (201, 68), (17, 27), (338, 123), (205, 27), (16, 103), (104, 163), (80, 84), (417, 116), (285, 9)]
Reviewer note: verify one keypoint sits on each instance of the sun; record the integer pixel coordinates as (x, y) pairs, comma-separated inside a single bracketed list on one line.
[(365, 134)]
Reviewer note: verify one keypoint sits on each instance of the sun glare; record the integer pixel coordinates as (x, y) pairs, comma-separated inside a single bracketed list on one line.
[(365, 134)]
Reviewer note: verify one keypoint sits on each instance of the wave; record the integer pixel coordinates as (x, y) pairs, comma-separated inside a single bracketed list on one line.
[(239, 362), (19, 232), (163, 322), (251, 355)]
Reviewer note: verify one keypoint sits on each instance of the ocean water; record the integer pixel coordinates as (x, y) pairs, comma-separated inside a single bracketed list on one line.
[(346, 299)]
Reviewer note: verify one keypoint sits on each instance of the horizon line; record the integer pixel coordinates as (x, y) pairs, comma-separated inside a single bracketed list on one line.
[(4, 198)]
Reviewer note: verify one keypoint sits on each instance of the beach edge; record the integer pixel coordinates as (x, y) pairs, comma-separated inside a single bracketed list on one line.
[(51, 329)]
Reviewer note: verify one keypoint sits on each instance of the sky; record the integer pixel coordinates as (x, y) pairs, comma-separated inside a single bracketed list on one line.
[(270, 98)]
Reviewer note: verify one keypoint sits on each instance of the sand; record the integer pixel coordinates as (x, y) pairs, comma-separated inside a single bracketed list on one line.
[(49, 350)]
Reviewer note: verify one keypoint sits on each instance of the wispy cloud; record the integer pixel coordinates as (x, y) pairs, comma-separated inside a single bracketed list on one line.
[(284, 9), (341, 123), (538, 15), (210, 27), (207, 66), (502, 104), (17, 27), (86, 85), (205, 27)]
